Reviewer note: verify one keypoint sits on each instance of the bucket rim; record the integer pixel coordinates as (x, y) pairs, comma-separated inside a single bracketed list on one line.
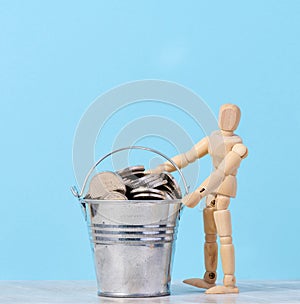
[(132, 202)]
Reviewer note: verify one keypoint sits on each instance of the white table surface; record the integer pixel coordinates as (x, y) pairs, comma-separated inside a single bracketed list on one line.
[(73, 292)]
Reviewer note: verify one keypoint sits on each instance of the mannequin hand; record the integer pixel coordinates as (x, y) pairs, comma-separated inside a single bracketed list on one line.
[(159, 169), (192, 199)]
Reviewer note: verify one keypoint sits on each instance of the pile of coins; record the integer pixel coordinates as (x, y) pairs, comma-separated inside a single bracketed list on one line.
[(133, 183)]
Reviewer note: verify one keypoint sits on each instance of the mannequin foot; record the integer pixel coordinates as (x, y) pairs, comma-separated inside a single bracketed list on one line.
[(220, 289), (200, 283)]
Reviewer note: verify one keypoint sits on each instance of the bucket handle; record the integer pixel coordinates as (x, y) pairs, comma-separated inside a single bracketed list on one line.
[(79, 195)]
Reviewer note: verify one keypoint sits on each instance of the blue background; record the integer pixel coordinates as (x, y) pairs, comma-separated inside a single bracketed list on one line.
[(56, 57)]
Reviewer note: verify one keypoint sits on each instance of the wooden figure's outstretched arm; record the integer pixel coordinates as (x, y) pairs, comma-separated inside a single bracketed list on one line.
[(182, 160), (227, 167)]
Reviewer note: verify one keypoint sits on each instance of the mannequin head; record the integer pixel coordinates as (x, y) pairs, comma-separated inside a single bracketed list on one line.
[(229, 117)]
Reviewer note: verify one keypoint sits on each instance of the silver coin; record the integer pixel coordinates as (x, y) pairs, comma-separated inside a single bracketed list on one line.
[(170, 196), (146, 178), (132, 169), (171, 180), (177, 193), (128, 182), (157, 183), (112, 196), (115, 196), (169, 191), (133, 175), (165, 187), (145, 181), (172, 183), (146, 190), (105, 182)]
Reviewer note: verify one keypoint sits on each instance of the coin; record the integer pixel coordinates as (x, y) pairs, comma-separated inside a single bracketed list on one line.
[(170, 196), (157, 183), (146, 190), (115, 196), (131, 170), (105, 182), (143, 181), (165, 187), (172, 183), (170, 193), (133, 175)]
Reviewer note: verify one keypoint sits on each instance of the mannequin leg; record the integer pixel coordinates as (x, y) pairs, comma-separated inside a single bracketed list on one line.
[(223, 223), (210, 247)]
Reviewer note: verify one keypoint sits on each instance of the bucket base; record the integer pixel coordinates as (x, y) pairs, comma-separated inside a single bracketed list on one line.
[(121, 295)]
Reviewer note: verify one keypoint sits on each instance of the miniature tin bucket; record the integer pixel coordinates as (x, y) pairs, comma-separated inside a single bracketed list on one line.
[(133, 241)]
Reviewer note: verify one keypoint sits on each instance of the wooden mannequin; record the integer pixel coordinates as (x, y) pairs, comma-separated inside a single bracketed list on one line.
[(226, 150)]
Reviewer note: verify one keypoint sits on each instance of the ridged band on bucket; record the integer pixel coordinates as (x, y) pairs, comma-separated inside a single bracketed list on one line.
[(134, 235)]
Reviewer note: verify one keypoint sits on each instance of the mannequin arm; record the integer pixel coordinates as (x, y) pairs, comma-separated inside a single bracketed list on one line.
[(229, 165), (182, 160)]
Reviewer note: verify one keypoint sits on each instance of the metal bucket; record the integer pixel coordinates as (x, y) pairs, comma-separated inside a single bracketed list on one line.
[(133, 241)]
